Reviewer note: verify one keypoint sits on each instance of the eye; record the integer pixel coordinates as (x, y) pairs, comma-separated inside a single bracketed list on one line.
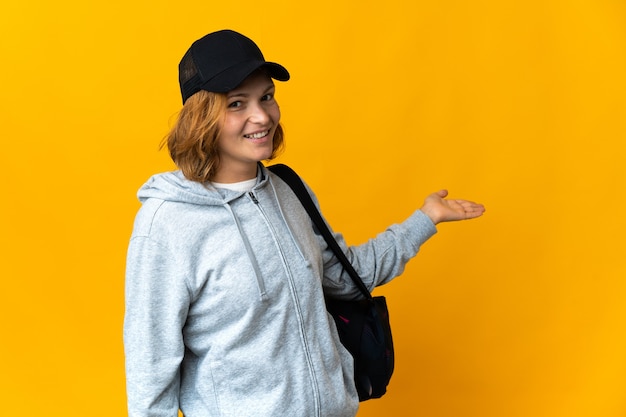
[(267, 97), (235, 104)]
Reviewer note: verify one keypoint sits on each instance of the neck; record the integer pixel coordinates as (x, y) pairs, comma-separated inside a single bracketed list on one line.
[(235, 175)]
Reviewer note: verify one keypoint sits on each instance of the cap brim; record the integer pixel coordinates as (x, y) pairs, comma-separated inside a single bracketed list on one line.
[(231, 78)]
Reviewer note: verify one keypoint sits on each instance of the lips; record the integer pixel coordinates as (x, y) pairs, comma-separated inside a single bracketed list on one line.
[(257, 135)]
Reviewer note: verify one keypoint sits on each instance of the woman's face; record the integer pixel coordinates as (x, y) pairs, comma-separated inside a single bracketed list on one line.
[(248, 128)]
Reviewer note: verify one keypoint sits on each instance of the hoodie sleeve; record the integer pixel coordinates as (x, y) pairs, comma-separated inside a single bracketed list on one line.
[(380, 259), (157, 302)]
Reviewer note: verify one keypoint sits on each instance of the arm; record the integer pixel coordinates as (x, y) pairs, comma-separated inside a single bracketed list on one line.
[(156, 307), (381, 259)]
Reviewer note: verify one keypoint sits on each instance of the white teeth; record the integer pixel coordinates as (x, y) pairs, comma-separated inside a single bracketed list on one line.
[(257, 135)]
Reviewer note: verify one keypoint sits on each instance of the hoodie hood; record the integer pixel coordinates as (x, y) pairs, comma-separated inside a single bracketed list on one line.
[(173, 186)]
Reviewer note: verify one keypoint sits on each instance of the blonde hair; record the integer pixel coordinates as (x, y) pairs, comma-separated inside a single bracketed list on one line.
[(192, 142)]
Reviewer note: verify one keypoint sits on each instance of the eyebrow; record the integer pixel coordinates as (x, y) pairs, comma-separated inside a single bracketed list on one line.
[(234, 93)]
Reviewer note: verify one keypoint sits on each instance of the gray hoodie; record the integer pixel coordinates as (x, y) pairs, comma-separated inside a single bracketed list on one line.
[(225, 311)]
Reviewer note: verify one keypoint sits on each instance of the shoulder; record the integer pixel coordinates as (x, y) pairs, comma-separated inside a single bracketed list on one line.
[(145, 218)]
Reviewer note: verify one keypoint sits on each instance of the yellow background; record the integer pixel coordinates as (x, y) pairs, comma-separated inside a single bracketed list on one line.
[(520, 105)]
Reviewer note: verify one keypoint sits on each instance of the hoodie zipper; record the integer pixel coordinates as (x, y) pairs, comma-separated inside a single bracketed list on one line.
[(254, 200), (296, 301)]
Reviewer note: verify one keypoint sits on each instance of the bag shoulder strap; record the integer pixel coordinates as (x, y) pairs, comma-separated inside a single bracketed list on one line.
[(294, 181)]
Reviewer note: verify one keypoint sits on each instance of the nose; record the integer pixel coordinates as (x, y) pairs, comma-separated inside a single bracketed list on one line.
[(259, 114)]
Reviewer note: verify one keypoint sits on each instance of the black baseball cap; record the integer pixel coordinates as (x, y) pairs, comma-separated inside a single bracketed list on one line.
[(220, 61)]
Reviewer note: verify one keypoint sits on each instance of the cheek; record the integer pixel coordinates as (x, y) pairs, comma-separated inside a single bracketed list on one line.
[(275, 112), (228, 125)]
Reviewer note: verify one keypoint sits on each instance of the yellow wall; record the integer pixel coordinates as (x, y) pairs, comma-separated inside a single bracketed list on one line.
[(517, 104)]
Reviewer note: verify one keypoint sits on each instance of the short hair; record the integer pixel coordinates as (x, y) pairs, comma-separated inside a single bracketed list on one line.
[(192, 142)]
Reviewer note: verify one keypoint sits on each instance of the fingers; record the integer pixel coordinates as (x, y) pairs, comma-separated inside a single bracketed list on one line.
[(471, 209)]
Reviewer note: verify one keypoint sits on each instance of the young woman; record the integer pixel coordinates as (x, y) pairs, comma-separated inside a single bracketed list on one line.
[(225, 281)]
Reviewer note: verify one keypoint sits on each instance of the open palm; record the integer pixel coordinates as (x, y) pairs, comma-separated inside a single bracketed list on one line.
[(440, 209)]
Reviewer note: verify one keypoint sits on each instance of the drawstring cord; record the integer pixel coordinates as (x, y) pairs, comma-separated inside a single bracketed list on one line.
[(246, 243)]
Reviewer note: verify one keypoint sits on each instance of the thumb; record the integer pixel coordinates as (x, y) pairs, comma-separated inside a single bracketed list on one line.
[(442, 193)]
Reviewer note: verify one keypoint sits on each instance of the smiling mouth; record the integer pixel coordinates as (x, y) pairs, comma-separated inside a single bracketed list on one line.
[(257, 135)]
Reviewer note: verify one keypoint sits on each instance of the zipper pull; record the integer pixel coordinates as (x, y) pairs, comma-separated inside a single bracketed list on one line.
[(251, 194)]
